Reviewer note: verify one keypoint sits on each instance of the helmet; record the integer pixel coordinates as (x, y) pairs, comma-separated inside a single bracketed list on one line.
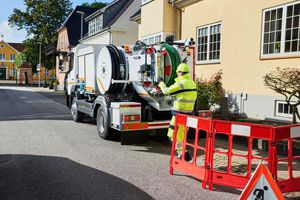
[(183, 67)]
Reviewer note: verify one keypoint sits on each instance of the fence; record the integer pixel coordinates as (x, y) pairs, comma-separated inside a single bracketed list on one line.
[(205, 152)]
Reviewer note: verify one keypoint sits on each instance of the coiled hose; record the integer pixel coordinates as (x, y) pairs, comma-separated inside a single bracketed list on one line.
[(175, 61)]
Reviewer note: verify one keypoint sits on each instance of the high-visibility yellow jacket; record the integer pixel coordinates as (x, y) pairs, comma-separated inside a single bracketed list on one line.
[(184, 91)]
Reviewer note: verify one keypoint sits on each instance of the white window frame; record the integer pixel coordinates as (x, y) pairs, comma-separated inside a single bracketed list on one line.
[(283, 33), (207, 61), (154, 37), (2, 55), (96, 25), (277, 113), (12, 57), (12, 72)]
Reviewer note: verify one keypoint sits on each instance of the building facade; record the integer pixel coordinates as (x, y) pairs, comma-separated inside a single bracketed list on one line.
[(246, 39), (69, 35), (8, 52), (112, 24)]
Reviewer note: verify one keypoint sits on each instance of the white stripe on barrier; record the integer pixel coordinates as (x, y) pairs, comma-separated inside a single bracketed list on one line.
[(192, 122), (295, 132), (240, 130)]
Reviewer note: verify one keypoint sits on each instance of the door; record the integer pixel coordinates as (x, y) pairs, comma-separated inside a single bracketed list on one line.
[(2, 73)]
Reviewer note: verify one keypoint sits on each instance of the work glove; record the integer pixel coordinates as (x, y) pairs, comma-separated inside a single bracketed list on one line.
[(160, 79)]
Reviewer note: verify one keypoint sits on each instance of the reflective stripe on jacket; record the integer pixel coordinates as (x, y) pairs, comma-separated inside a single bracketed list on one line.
[(185, 92)]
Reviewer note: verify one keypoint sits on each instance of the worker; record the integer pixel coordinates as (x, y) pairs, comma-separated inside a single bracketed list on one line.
[(184, 92)]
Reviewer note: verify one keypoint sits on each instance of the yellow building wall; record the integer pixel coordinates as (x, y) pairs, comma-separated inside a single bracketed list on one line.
[(7, 50), (243, 70), (151, 18), (158, 16), (170, 18)]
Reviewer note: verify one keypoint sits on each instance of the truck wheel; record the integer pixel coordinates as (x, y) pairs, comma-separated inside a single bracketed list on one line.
[(77, 116), (103, 127)]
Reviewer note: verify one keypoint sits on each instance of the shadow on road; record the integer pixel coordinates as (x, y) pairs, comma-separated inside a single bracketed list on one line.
[(44, 177)]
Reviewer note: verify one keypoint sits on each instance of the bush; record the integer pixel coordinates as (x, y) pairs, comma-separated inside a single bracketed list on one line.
[(209, 91)]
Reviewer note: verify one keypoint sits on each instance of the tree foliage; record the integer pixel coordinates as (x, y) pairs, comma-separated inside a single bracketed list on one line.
[(209, 91), (286, 81), (41, 19), (20, 59), (95, 4)]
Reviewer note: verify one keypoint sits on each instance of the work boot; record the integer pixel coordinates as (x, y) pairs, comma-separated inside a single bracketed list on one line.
[(187, 156)]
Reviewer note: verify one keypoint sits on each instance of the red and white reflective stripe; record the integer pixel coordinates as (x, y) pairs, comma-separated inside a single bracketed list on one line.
[(145, 125), (295, 132), (241, 130)]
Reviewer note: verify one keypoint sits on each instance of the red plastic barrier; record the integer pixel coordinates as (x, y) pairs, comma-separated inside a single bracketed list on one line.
[(210, 176)]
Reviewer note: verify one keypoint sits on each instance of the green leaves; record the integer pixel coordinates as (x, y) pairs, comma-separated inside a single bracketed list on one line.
[(95, 4), (209, 91), (41, 19)]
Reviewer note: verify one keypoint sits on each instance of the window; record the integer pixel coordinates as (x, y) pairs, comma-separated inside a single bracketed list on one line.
[(281, 31), (283, 109), (157, 38), (209, 43), (12, 72), (96, 25), (12, 56), (2, 56), (46, 73)]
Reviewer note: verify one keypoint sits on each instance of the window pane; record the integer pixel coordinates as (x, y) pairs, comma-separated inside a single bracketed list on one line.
[(279, 13), (267, 27), (278, 36), (273, 26), (288, 35), (266, 38), (279, 25), (287, 47), (289, 11), (295, 34), (289, 23), (271, 48), (294, 45), (273, 14), (286, 108), (297, 9), (280, 108), (267, 16), (296, 22), (265, 51), (272, 37)]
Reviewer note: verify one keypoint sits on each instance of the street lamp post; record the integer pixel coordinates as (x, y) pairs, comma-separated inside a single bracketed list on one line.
[(40, 58), (82, 15)]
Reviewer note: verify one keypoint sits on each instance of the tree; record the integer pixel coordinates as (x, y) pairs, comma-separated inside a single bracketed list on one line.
[(286, 82), (95, 4), (20, 59), (209, 91), (41, 19)]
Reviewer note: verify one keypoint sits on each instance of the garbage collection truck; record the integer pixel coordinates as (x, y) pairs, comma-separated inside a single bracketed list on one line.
[(118, 85)]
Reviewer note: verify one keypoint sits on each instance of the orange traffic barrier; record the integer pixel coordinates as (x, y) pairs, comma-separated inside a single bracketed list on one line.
[(208, 129)]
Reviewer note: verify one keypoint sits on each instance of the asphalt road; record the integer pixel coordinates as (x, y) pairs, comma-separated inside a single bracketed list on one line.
[(45, 155)]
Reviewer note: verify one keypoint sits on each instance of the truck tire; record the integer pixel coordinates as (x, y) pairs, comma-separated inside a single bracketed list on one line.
[(77, 116), (103, 127)]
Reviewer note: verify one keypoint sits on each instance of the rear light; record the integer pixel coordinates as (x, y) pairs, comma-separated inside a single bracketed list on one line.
[(131, 118)]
